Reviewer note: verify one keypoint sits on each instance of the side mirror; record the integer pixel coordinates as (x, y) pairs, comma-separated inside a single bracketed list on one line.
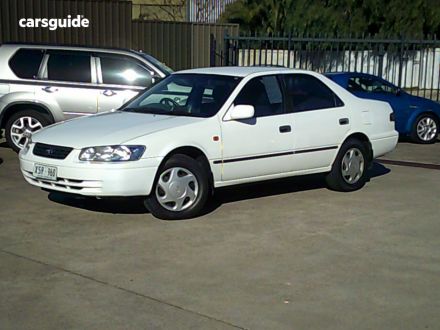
[(398, 92), (239, 112)]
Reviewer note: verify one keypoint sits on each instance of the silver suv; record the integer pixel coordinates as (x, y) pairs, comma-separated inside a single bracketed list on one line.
[(42, 84)]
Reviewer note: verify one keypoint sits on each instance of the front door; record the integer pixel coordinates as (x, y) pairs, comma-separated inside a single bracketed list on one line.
[(121, 78), (261, 145)]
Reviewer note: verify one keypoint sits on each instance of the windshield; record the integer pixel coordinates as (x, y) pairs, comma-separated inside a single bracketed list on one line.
[(161, 66), (196, 95)]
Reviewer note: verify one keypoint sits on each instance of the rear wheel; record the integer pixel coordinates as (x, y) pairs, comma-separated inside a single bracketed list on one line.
[(349, 169), (180, 191), (425, 129), (21, 123)]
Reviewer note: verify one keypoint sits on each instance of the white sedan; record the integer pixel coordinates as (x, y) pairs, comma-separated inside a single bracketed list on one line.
[(206, 128)]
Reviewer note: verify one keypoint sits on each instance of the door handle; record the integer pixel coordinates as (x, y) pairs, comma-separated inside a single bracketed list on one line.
[(344, 121), (109, 92), (285, 129), (50, 89)]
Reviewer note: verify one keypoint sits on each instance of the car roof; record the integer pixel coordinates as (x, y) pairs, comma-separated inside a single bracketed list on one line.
[(67, 47), (348, 74), (241, 71)]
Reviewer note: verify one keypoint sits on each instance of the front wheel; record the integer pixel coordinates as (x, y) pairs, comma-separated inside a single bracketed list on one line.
[(425, 129), (180, 191), (349, 169), (22, 122)]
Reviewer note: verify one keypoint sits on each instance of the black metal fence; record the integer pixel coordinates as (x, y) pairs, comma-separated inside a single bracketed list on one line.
[(410, 64)]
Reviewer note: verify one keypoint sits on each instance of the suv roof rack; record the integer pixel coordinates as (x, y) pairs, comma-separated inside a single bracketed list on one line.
[(70, 45)]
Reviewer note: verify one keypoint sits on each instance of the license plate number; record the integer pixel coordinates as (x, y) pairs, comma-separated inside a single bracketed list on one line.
[(45, 172)]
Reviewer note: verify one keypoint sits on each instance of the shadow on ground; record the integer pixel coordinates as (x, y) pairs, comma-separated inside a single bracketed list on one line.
[(134, 205)]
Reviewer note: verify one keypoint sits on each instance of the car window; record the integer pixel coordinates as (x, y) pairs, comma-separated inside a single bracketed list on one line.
[(198, 95), (264, 94), (370, 85), (123, 71), (74, 67), (307, 93), (26, 62)]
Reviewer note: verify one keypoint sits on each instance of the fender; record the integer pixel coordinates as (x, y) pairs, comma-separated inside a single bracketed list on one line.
[(15, 98), (414, 114), (215, 170), (169, 148), (347, 136)]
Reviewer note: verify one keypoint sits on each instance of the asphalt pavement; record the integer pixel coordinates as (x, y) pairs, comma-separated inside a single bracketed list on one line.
[(285, 254)]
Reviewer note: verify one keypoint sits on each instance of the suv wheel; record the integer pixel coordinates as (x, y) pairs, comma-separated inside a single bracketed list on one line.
[(180, 191), (349, 169), (425, 129), (20, 123)]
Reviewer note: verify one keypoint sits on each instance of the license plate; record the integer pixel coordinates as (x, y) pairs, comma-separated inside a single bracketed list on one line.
[(45, 172)]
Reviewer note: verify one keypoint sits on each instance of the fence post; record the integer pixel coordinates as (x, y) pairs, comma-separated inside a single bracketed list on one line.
[(226, 54), (400, 62), (381, 55), (212, 49)]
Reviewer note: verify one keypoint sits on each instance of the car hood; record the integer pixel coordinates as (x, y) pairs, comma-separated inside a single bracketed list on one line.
[(111, 128), (423, 102)]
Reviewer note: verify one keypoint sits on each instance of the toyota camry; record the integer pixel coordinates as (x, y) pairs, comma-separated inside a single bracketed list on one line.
[(201, 129)]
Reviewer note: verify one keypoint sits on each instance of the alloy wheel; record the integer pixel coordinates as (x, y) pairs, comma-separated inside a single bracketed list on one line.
[(426, 129), (22, 126)]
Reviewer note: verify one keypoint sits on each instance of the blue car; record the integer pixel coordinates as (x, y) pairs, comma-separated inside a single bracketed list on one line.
[(415, 116)]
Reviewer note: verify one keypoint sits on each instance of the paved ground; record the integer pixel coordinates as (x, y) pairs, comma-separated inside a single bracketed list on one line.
[(281, 255)]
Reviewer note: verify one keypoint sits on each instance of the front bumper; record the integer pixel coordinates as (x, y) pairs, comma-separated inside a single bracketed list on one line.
[(134, 178)]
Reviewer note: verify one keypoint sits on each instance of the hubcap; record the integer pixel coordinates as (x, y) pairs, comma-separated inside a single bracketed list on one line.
[(352, 165), (177, 189), (22, 127), (426, 129)]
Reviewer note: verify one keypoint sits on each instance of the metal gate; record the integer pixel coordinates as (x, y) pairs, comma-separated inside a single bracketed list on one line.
[(410, 64)]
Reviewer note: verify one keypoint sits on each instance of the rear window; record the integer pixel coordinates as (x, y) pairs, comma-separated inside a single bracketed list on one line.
[(74, 67), (26, 62)]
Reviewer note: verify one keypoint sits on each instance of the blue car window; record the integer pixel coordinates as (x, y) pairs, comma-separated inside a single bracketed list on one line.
[(370, 85)]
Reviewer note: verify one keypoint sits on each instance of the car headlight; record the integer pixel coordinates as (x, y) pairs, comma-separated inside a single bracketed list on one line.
[(112, 153)]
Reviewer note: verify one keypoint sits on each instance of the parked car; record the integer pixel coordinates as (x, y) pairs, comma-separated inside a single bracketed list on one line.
[(201, 129), (416, 117), (42, 84)]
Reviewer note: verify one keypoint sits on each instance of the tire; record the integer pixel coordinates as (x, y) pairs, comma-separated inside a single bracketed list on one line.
[(32, 121), (338, 178), (180, 190), (425, 129)]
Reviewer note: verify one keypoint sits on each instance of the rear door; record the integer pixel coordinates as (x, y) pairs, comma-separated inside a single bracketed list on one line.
[(320, 120), (70, 79), (121, 78)]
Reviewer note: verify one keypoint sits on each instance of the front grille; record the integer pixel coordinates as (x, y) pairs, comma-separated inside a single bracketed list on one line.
[(50, 151)]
